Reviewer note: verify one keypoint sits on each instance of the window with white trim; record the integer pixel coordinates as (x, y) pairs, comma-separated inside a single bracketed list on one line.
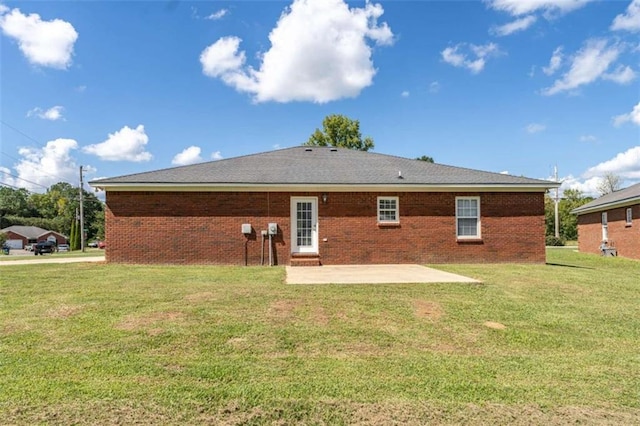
[(388, 211), (468, 217), (629, 216)]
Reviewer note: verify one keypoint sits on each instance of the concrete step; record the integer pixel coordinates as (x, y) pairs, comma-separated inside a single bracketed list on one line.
[(305, 260)]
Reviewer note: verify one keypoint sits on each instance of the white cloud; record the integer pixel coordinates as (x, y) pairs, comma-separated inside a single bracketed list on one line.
[(630, 20), (470, 56), (554, 63), (622, 75), (189, 155), (589, 64), (124, 145), (633, 116), (625, 164), (217, 15), (434, 87), (40, 168), (319, 53), (588, 138), (54, 113), (519, 24), (216, 155), (5, 173), (548, 7), (221, 59), (405, 94), (44, 43), (588, 187), (535, 128)]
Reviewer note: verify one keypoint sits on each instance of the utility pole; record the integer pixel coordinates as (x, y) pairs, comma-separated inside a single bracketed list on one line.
[(81, 213), (557, 200)]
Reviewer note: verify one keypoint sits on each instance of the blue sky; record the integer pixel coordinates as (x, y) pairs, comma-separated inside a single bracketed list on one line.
[(515, 86)]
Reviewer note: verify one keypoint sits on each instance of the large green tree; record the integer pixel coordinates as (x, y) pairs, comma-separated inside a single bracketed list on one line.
[(55, 209), (568, 222), (14, 202), (340, 131)]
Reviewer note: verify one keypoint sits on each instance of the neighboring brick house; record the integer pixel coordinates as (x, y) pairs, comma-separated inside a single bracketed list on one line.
[(19, 236), (331, 206), (613, 218)]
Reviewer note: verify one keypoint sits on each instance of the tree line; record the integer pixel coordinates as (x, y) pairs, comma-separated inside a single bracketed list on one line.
[(56, 210)]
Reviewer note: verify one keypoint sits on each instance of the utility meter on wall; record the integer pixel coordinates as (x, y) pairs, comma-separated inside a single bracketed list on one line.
[(273, 229)]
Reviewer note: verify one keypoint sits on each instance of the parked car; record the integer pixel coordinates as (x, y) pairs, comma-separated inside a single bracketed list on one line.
[(44, 247), (29, 247), (93, 244), (63, 247), (102, 244)]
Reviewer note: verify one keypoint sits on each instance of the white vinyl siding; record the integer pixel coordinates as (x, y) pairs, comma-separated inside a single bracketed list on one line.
[(388, 210), (468, 217)]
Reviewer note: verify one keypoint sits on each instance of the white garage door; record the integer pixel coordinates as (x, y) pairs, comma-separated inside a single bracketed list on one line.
[(15, 244)]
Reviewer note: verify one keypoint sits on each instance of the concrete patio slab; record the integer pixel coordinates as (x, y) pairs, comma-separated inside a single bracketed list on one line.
[(371, 274)]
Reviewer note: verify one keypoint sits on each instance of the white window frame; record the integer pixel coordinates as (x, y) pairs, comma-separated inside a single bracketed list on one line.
[(604, 220), (396, 211), (629, 216), (477, 217)]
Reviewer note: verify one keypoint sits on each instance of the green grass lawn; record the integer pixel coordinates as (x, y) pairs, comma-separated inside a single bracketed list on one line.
[(112, 344)]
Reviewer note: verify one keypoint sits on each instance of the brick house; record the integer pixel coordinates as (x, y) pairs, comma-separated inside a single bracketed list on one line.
[(327, 206), (19, 236), (614, 218)]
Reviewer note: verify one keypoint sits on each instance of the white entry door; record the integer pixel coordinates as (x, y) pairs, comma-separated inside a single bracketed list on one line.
[(304, 225)]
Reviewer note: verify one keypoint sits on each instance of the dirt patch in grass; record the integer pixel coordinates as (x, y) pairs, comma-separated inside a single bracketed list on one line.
[(63, 311), (237, 342), (319, 316), (149, 322), (282, 309), (426, 309), (495, 325), (199, 297)]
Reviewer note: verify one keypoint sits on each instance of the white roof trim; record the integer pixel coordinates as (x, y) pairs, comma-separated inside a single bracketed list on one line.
[(607, 206), (235, 187)]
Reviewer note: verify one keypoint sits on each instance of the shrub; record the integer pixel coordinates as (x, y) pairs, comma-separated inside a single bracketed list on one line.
[(551, 240)]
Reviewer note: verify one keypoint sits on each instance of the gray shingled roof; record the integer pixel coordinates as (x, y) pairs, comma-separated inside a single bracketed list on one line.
[(30, 232), (319, 166), (627, 196)]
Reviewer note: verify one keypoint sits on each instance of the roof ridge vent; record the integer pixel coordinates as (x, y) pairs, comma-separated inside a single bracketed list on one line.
[(334, 150)]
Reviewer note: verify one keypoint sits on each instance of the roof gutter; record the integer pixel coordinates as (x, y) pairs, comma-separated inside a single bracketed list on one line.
[(606, 206), (253, 187)]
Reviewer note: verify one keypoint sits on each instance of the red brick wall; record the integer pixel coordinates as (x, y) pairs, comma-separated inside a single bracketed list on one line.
[(205, 227), (13, 236), (626, 239)]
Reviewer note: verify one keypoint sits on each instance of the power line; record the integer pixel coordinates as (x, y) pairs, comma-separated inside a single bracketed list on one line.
[(11, 186), (26, 180), (22, 133), (15, 129)]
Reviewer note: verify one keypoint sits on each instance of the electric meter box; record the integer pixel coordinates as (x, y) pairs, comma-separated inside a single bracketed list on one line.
[(273, 228), (246, 228)]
